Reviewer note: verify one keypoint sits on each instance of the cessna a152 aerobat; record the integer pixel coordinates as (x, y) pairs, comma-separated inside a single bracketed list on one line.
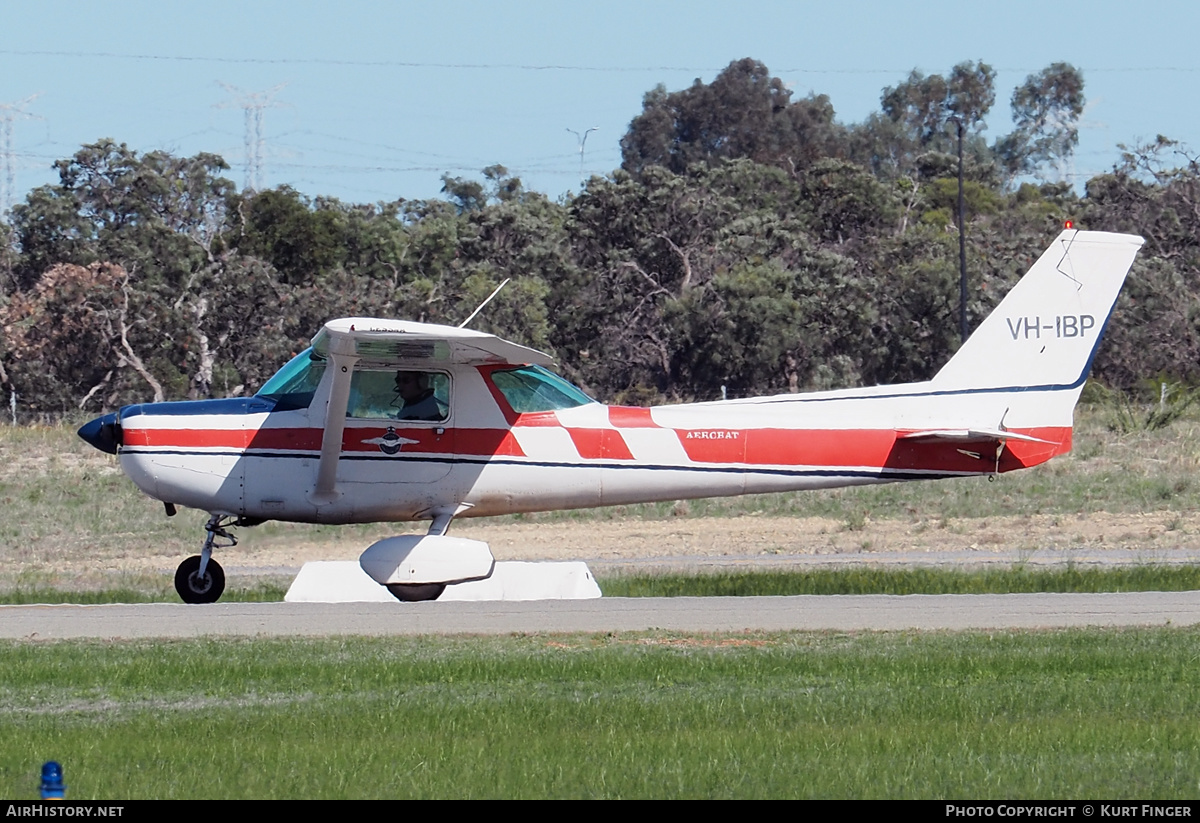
[(386, 420)]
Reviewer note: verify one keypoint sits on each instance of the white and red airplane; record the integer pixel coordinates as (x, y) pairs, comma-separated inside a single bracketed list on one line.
[(386, 420)]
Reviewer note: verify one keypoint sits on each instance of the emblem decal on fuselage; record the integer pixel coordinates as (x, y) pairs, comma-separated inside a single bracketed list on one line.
[(390, 442)]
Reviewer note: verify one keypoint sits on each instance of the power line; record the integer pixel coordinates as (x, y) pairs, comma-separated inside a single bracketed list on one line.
[(326, 61)]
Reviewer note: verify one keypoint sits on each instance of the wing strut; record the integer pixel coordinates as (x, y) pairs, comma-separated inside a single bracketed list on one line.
[(343, 361)]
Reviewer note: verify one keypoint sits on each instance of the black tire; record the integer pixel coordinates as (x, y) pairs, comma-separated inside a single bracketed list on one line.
[(194, 589), (416, 592)]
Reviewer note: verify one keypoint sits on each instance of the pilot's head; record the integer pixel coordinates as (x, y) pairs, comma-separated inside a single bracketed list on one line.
[(410, 385)]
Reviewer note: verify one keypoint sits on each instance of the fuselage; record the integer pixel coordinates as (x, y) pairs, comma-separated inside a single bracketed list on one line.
[(495, 450), (389, 420)]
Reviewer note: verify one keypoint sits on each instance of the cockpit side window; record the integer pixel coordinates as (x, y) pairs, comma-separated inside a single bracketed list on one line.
[(534, 389), (399, 395), (294, 385)]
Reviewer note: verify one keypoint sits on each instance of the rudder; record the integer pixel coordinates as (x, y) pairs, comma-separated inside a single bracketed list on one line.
[(1045, 332)]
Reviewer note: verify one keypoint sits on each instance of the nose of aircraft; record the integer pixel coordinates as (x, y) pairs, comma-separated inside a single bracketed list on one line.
[(103, 433)]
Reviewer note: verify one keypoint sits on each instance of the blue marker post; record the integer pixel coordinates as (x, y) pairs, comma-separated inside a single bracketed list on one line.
[(52, 781)]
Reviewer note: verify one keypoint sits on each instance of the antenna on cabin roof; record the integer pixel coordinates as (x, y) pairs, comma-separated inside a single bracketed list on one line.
[(484, 303)]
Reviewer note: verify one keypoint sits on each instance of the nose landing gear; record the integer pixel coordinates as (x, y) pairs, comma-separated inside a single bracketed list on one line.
[(199, 578)]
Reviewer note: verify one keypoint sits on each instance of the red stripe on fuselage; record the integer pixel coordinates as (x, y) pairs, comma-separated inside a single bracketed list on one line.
[(498, 442), (485, 442), (867, 447), (286, 439), (714, 445), (814, 447), (600, 444), (190, 438), (631, 417), (731, 447), (544, 420)]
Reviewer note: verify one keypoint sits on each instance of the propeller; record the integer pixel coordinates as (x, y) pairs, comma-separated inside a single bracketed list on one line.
[(103, 433)]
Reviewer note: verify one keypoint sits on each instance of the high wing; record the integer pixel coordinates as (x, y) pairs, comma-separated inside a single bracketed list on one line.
[(396, 343), (404, 343)]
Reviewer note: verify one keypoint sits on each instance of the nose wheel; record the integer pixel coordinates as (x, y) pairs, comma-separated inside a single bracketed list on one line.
[(194, 587), (200, 579)]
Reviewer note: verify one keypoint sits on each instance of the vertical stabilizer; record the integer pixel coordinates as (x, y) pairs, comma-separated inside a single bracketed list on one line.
[(1044, 334)]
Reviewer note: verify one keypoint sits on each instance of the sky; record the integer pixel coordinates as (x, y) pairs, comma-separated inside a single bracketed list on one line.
[(375, 101)]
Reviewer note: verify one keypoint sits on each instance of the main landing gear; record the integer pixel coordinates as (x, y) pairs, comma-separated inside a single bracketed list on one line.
[(200, 579), (422, 592), (416, 592), (416, 568)]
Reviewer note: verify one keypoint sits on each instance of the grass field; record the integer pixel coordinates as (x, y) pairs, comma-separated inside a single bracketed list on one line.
[(1072, 714)]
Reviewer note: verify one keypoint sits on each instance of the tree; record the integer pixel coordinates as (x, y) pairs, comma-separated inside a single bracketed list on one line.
[(916, 134), (467, 195), (924, 106), (1046, 110), (849, 201), (281, 227), (765, 327), (156, 215), (971, 93), (8, 259), (715, 278), (471, 195), (71, 340), (743, 113), (1153, 191), (918, 105)]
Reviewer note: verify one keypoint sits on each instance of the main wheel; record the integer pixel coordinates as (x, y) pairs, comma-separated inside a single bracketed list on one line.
[(196, 589), (416, 592)]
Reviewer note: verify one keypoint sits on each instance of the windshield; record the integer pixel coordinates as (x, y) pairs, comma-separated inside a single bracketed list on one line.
[(293, 386), (534, 389)]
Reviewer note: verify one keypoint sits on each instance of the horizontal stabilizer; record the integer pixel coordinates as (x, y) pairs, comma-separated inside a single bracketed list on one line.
[(968, 435)]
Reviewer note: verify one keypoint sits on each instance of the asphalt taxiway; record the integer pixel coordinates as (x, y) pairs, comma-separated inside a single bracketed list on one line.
[(681, 614)]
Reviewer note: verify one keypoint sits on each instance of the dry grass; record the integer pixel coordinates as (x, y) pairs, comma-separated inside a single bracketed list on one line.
[(71, 517)]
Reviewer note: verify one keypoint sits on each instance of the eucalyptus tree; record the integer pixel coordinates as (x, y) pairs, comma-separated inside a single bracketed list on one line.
[(743, 113), (1154, 190), (1046, 110)]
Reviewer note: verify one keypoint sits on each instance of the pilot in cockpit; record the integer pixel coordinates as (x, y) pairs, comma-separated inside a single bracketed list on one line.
[(412, 387)]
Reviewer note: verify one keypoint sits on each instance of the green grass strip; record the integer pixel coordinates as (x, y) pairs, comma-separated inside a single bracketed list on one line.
[(1006, 715), (21, 595), (905, 581), (746, 584)]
